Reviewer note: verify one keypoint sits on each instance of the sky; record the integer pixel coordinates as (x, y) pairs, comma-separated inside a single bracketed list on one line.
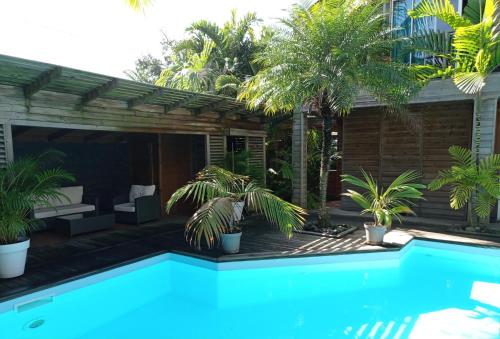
[(106, 36)]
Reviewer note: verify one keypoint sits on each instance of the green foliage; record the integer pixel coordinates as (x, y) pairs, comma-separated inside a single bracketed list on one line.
[(280, 172), (138, 5), (215, 190), (239, 163), (147, 69), (326, 54), (468, 179), (23, 184), (329, 52), (385, 204), (212, 58), (476, 51)]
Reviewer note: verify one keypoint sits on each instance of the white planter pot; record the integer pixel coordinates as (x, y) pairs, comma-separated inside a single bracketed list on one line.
[(231, 242), (374, 234), (13, 259), (238, 211)]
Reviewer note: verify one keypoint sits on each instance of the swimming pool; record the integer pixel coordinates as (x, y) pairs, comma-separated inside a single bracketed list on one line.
[(427, 290)]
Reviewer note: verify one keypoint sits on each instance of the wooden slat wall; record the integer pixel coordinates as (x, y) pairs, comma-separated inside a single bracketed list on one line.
[(217, 149), (256, 147), (387, 147), (360, 146), (3, 145)]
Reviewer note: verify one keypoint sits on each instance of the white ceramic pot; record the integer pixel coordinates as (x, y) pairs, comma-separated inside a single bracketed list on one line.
[(231, 242), (13, 258), (374, 234), (238, 211)]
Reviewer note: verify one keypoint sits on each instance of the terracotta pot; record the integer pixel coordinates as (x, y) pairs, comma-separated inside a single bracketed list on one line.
[(13, 258), (374, 234)]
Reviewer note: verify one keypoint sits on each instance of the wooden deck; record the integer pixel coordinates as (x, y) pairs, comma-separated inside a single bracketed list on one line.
[(54, 260)]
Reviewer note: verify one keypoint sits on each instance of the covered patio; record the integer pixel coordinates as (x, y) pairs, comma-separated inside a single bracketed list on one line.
[(117, 133)]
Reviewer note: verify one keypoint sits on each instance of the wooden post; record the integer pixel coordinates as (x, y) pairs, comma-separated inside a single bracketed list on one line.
[(299, 158), (487, 122)]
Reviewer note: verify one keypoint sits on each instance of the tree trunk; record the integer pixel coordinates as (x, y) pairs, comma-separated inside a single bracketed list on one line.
[(326, 154), (472, 219)]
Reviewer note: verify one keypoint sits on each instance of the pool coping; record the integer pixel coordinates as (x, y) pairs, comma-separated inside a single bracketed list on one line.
[(401, 249)]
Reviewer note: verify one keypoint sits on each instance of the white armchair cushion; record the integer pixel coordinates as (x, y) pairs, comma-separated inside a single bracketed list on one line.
[(48, 212), (137, 191), (71, 195), (126, 207)]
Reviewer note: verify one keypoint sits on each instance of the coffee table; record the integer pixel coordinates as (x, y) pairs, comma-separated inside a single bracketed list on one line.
[(74, 224)]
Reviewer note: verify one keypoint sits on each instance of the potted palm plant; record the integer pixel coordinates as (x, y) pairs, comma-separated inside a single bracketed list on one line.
[(221, 196), (384, 205), (24, 183), (473, 184)]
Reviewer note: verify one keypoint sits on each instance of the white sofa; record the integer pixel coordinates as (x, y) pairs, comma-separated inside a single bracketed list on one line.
[(70, 202)]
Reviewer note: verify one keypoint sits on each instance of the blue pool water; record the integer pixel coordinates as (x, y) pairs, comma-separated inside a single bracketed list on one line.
[(428, 290)]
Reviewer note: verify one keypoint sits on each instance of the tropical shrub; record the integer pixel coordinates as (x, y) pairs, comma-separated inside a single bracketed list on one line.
[(469, 180), (25, 183), (469, 55), (385, 204), (327, 52), (215, 190)]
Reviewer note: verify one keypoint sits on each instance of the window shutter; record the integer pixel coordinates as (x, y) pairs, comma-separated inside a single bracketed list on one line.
[(216, 149), (257, 153), (3, 145)]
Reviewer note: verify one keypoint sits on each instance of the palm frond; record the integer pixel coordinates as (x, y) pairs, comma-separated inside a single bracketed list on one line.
[(386, 204), (209, 221), (217, 189), (441, 9)]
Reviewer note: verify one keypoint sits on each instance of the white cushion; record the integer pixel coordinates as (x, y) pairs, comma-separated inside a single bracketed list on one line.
[(48, 212), (69, 196), (137, 191), (126, 207), (238, 210)]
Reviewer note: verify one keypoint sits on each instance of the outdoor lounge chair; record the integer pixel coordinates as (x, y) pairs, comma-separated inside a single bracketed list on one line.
[(141, 205), (72, 201)]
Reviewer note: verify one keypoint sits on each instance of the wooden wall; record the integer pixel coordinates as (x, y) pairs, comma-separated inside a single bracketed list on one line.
[(3, 146), (175, 163), (51, 109), (497, 131), (387, 146)]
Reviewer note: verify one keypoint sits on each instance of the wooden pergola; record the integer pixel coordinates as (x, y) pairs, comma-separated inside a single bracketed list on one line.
[(33, 76), (70, 102)]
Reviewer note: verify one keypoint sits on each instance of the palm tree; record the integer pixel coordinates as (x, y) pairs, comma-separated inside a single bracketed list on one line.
[(326, 54), (468, 180), (138, 5), (195, 73), (25, 183), (470, 54), (215, 190), (213, 59)]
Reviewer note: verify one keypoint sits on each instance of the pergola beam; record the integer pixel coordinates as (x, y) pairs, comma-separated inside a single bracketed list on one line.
[(58, 134), (43, 80), (97, 92), (145, 98), (212, 107), (180, 103)]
